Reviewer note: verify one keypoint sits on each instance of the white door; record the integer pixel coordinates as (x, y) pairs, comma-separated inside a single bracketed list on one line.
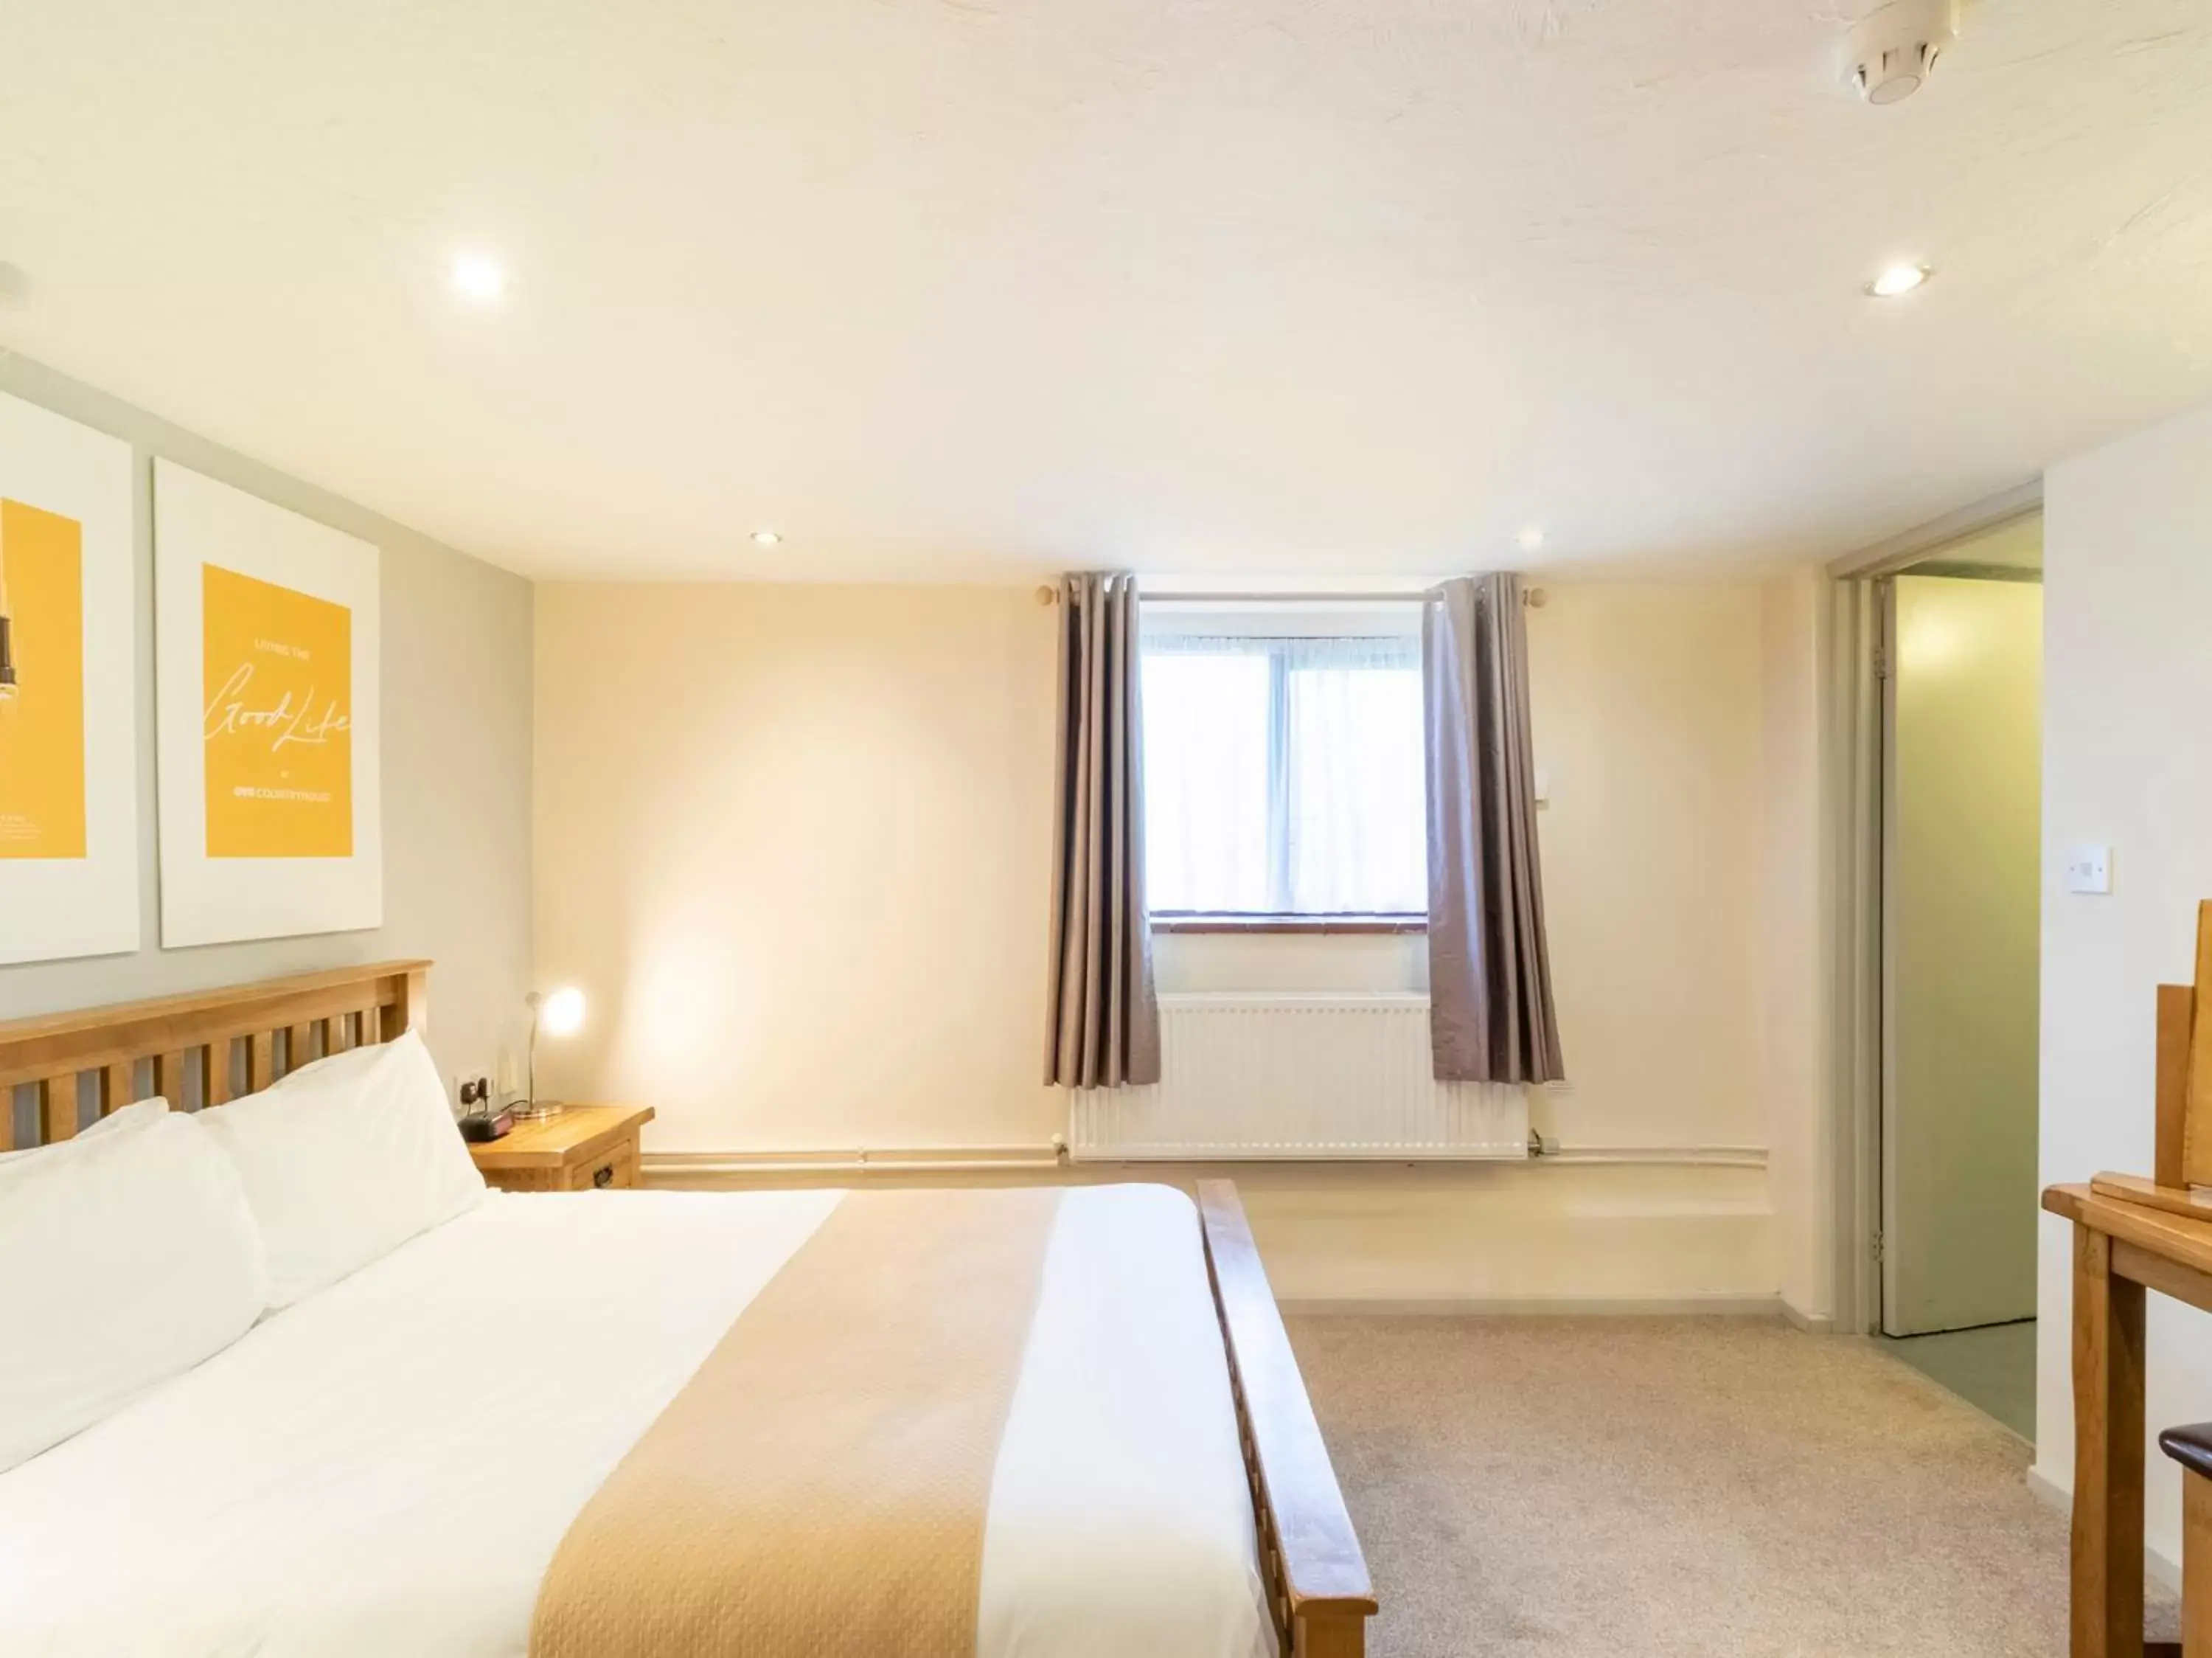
[(1962, 801)]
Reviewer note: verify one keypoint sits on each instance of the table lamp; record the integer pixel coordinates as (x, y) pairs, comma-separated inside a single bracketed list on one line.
[(557, 1013), (7, 644)]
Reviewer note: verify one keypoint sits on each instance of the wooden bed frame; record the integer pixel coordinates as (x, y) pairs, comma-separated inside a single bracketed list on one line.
[(201, 1049), (1317, 1584), (213, 1046)]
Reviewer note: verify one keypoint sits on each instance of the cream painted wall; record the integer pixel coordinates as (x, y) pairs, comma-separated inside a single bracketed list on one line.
[(1647, 713), (1796, 897), (456, 711), (1295, 961), (794, 843), (779, 959), (2127, 598)]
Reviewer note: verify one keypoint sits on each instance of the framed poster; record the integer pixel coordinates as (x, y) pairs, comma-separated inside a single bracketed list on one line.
[(266, 694), (69, 690)]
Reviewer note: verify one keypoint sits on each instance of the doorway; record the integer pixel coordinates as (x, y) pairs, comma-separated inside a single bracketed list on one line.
[(1961, 677)]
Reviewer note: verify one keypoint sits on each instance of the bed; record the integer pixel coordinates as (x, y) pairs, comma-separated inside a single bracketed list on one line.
[(393, 1463)]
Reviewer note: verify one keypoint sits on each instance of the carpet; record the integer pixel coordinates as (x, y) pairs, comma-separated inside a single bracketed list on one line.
[(1607, 1487)]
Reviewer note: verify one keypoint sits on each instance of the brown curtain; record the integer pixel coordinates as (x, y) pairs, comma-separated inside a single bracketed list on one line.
[(1104, 1029), (1490, 1018)]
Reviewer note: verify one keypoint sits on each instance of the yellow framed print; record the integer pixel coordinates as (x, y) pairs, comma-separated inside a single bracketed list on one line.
[(69, 690), (267, 691)]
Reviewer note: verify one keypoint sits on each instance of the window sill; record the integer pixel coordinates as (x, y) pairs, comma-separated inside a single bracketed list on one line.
[(1255, 924)]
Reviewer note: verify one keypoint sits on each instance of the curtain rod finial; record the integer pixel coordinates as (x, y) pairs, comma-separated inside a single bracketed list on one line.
[(1047, 594), (1535, 598)]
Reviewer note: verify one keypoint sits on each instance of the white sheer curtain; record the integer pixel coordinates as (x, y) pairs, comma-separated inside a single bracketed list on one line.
[(1285, 776), (1207, 774), (1355, 825)]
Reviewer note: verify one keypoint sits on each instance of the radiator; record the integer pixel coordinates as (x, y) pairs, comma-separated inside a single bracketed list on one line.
[(1297, 1076)]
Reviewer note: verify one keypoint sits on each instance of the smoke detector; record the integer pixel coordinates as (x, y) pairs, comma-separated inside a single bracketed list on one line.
[(1893, 48)]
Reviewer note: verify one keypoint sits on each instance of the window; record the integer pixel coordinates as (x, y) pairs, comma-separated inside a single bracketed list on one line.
[(1283, 777)]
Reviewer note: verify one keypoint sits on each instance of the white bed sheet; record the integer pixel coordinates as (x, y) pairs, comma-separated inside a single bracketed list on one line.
[(386, 1467)]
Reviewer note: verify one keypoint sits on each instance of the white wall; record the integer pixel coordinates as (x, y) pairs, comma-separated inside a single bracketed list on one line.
[(2127, 671), (797, 851), (456, 687)]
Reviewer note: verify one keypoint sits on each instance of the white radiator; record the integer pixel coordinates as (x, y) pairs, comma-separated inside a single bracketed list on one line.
[(1286, 1076)]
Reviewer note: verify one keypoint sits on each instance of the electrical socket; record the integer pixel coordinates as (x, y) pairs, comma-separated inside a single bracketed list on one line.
[(472, 1089)]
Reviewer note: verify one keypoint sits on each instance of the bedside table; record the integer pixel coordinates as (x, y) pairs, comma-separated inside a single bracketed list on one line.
[(585, 1148)]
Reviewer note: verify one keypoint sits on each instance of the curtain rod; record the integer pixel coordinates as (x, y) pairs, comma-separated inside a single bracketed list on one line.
[(1534, 598), (1400, 598)]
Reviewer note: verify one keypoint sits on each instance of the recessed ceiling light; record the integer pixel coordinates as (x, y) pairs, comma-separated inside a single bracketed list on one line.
[(1531, 537), (765, 538), (1898, 279), (478, 278)]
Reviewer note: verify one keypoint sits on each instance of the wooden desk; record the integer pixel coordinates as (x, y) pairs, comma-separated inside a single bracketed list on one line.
[(2120, 1249)]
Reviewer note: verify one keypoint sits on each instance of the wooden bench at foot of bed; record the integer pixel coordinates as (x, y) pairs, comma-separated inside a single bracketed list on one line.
[(1318, 1588)]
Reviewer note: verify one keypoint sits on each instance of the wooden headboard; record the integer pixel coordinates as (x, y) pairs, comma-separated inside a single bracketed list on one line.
[(198, 1050)]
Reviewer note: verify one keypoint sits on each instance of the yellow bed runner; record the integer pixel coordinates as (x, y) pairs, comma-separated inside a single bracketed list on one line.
[(820, 1484)]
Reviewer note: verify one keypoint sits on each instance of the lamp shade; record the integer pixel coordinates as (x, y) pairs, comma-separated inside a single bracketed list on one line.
[(561, 1013)]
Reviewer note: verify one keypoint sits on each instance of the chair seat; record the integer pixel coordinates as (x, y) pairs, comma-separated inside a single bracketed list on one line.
[(2190, 1445)]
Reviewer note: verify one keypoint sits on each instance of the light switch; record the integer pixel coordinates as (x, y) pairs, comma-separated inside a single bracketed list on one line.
[(1543, 787), (2088, 868)]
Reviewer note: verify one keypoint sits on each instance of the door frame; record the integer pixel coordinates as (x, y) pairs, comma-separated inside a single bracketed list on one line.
[(1861, 814), (1886, 1295), (1856, 803)]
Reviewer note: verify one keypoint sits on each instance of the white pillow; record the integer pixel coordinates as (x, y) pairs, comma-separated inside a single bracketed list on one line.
[(345, 1160), (127, 1255), (123, 1119)]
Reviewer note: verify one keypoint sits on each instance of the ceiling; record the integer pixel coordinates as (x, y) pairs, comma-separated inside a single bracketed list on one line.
[(973, 288)]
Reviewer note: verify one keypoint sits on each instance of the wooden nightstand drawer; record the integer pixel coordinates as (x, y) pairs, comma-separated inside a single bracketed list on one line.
[(583, 1149), (611, 1171)]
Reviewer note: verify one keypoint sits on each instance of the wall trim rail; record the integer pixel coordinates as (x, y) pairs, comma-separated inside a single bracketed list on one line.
[(862, 1160), (1660, 1156), (1054, 1154)]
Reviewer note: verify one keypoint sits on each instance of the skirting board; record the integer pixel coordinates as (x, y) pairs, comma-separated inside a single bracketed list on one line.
[(1586, 1306), (2053, 1495), (1813, 1324)]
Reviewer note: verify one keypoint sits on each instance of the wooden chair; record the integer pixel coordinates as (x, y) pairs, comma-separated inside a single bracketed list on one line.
[(2181, 1165), (2132, 1235), (2181, 1161), (2192, 1447)]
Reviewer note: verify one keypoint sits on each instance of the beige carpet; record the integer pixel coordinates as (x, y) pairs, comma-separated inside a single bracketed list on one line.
[(1677, 1486)]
